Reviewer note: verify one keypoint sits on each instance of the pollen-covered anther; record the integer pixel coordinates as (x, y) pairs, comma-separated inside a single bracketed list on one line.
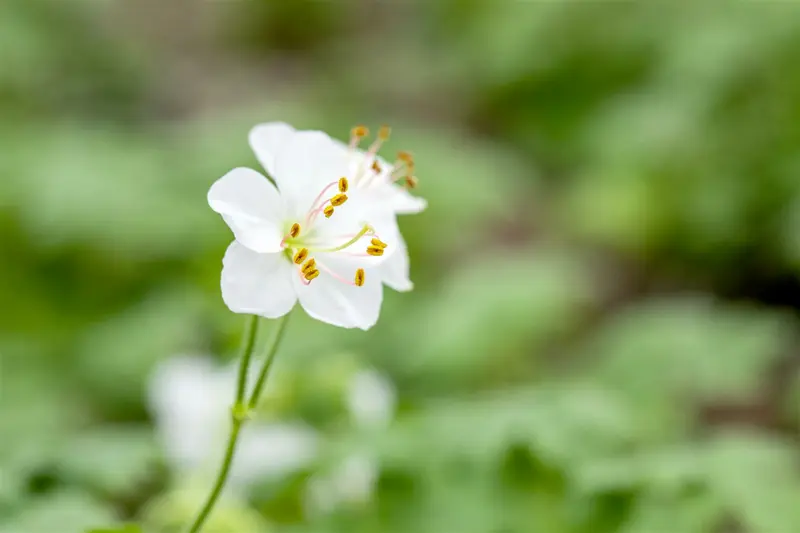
[(359, 279), (359, 131), (338, 200), (376, 167), (310, 265), (328, 211), (376, 251), (384, 132), (300, 256), (405, 157), (378, 243), (412, 182), (343, 185), (311, 274), (294, 231)]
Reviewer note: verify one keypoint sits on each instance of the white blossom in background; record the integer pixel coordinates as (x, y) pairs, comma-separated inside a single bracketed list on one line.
[(371, 402), (371, 399), (190, 397)]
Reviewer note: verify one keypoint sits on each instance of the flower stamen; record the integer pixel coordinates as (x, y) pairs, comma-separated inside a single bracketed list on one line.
[(328, 211), (300, 256), (309, 266), (359, 278), (294, 231), (378, 243), (343, 185), (311, 274), (366, 229), (338, 200), (375, 251), (356, 134)]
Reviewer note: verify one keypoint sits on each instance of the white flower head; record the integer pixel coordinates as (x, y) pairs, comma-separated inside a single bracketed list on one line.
[(385, 186), (317, 240), (371, 399), (189, 399)]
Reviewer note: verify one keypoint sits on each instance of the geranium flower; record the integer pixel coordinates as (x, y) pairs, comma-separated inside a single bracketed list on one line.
[(311, 242), (375, 183), (189, 398)]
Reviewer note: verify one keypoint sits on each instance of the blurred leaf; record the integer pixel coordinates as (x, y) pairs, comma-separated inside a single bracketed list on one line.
[(492, 317), (113, 460), (59, 513), (673, 354), (129, 528)]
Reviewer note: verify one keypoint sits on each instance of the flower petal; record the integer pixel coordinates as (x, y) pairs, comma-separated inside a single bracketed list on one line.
[(272, 451), (258, 284), (308, 162), (403, 203), (267, 140), (188, 403), (394, 272), (252, 208), (335, 302), (348, 220)]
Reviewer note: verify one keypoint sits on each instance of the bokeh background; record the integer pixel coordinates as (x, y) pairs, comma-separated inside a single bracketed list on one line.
[(604, 331)]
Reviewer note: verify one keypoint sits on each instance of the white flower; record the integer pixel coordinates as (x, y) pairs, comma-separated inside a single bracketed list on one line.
[(189, 397), (377, 184), (371, 401), (311, 242)]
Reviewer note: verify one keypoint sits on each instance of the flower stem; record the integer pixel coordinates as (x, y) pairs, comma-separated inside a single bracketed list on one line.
[(240, 411), (277, 336)]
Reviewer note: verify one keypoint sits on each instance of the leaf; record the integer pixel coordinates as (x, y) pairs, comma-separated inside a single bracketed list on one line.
[(111, 459), (128, 528), (59, 513), (492, 317)]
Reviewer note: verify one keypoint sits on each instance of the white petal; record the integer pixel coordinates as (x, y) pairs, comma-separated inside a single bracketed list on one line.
[(190, 407), (347, 221), (335, 302), (272, 450), (267, 141), (258, 284), (252, 208), (403, 203), (371, 399), (308, 162), (394, 272)]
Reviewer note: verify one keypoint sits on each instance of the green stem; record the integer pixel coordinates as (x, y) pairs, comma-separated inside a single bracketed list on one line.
[(247, 351), (280, 328), (239, 416)]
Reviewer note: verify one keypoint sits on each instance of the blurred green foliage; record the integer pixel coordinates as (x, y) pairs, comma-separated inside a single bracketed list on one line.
[(603, 335)]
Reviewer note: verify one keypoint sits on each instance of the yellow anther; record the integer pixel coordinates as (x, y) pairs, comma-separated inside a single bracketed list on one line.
[(343, 185), (412, 182), (359, 131), (328, 211), (339, 199), (300, 256), (405, 157), (294, 231), (378, 243), (376, 167), (375, 251), (384, 132), (311, 274), (359, 279), (309, 266)]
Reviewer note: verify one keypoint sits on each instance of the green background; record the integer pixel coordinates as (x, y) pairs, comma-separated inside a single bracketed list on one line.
[(603, 336)]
